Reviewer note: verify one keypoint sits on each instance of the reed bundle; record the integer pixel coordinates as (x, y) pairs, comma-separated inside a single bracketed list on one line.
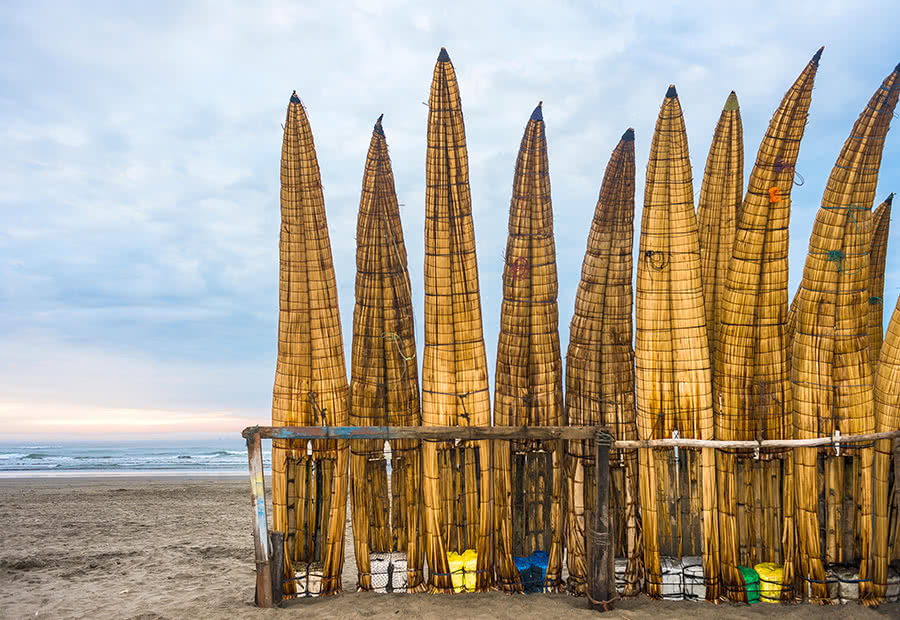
[(881, 226), (309, 487), (457, 482), (384, 383), (887, 417), (719, 210), (752, 392), (600, 372), (528, 384), (672, 371), (831, 374)]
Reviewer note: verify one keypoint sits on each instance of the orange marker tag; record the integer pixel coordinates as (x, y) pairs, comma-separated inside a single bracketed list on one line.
[(774, 194)]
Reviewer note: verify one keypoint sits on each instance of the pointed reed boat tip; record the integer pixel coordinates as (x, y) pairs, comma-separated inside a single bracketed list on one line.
[(538, 114), (890, 199), (295, 98), (443, 56), (378, 127), (628, 136), (671, 93), (732, 102), (818, 55)]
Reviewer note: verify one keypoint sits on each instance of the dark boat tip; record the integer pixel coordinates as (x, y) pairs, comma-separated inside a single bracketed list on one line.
[(295, 98), (897, 68), (628, 136), (731, 103), (378, 127), (443, 56), (818, 55), (538, 114), (671, 93), (890, 199)]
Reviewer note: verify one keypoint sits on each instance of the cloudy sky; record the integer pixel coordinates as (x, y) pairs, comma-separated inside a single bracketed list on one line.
[(139, 209)]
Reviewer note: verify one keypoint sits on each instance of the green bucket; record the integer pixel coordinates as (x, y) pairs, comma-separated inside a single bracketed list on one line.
[(751, 583)]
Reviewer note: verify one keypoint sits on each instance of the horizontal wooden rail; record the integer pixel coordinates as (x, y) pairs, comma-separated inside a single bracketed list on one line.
[(541, 433)]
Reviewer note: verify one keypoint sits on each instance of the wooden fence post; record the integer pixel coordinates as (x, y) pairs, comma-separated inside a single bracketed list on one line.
[(260, 521), (602, 585)]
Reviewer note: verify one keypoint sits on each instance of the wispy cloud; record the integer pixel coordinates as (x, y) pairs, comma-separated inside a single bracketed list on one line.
[(139, 207)]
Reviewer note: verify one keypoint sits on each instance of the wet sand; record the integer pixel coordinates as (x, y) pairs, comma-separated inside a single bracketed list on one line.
[(155, 548)]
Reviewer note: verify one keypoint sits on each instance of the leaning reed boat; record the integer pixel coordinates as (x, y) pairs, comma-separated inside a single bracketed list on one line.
[(831, 374), (881, 227), (600, 374), (887, 418), (752, 391), (718, 211), (384, 388), (309, 484), (528, 488), (672, 371), (457, 482)]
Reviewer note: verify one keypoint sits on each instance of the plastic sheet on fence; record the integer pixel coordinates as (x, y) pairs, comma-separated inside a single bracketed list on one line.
[(308, 578), (388, 571)]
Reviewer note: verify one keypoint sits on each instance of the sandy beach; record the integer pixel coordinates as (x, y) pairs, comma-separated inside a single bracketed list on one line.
[(157, 548)]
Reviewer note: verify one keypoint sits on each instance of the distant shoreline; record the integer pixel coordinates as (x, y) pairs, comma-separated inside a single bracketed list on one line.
[(168, 474)]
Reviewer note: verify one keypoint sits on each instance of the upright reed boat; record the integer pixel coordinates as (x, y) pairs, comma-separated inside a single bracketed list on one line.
[(831, 374), (672, 370), (384, 385), (881, 226), (752, 392), (457, 484), (528, 489), (600, 374), (309, 479)]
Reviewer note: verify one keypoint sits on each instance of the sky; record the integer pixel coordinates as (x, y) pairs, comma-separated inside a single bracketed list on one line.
[(139, 174)]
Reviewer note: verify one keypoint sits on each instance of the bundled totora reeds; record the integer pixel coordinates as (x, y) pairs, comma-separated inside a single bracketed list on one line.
[(600, 374), (831, 374), (881, 227), (752, 392), (672, 371), (309, 484), (384, 385), (457, 482), (887, 418), (528, 488)]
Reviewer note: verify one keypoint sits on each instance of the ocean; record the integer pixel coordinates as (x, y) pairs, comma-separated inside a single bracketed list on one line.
[(217, 456)]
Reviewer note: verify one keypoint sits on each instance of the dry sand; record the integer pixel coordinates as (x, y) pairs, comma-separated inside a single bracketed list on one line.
[(161, 548)]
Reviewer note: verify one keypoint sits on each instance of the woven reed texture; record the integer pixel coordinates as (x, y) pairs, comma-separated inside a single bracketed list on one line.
[(384, 382), (831, 375), (600, 370), (881, 227), (752, 392), (310, 376), (887, 418), (528, 383), (454, 374), (672, 371), (718, 211)]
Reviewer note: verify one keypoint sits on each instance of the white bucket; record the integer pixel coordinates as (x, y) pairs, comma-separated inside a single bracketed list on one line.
[(893, 586), (694, 584), (308, 578)]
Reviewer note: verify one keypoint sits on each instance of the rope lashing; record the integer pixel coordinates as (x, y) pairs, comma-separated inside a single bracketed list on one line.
[(836, 256), (874, 300), (519, 268), (395, 337), (658, 260), (781, 166), (774, 194), (313, 398)]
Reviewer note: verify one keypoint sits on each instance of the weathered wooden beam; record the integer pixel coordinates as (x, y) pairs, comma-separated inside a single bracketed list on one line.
[(260, 521), (277, 539), (602, 585), (571, 433)]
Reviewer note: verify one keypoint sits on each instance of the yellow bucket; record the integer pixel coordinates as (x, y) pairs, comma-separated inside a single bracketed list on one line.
[(770, 577), (457, 570), (470, 564)]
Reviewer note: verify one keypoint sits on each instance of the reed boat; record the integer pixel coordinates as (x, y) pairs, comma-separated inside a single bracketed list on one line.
[(887, 418), (457, 484), (384, 388), (752, 391), (309, 479), (831, 374), (672, 371), (881, 226), (600, 374)]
